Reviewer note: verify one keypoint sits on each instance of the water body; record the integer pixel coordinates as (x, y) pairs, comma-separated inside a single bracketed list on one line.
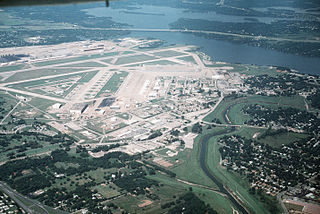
[(236, 53), (204, 167), (147, 16)]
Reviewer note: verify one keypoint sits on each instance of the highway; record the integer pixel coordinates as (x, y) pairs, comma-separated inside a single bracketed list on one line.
[(35, 27), (17, 198)]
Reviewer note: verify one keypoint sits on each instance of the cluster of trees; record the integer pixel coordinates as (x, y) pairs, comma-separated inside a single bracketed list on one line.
[(288, 165), (11, 57), (17, 143), (155, 134), (135, 182), (287, 117), (277, 28), (196, 128), (105, 148), (271, 132), (189, 204), (161, 169), (315, 99), (269, 202), (285, 85), (41, 173)]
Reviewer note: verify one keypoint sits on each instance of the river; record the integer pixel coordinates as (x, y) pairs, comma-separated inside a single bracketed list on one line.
[(151, 16), (204, 167)]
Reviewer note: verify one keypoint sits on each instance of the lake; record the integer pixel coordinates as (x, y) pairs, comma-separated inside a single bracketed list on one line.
[(159, 17)]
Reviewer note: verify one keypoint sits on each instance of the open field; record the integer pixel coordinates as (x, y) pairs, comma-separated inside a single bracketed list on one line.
[(188, 59), (32, 74), (233, 107), (283, 138), (168, 53), (253, 69), (161, 62), (74, 59), (188, 167), (133, 59), (113, 83), (218, 202), (11, 68)]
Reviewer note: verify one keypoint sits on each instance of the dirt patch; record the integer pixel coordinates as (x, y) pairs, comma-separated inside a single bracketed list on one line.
[(162, 162), (145, 203)]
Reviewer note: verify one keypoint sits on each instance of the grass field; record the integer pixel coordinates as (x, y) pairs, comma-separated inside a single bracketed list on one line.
[(216, 201), (87, 76), (124, 116), (27, 75), (253, 69), (160, 62), (285, 138), (133, 59), (113, 83), (40, 103), (233, 106), (68, 79), (8, 103), (11, 68), (188, 59), (189, 169), (74, 59), (168, 53)]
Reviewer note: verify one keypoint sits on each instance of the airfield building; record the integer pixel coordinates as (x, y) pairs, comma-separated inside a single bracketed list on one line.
[(78, 108)]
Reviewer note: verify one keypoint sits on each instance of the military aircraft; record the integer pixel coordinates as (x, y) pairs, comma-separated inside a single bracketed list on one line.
[(13, 3)]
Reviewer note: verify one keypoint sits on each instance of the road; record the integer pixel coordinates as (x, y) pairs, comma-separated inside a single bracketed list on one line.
[(201, 186), (17, 198), (34, 27), (10, 112)]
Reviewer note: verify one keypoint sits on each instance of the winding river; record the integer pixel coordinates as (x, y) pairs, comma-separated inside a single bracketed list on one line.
[(204, 167)]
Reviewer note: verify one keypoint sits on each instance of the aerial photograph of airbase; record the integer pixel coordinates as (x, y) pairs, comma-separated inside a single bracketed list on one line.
[(135, 106)]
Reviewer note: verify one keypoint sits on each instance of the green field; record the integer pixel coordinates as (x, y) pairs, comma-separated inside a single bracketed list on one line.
[(133, 59), (74, 59), (124, 116), (58, 81), (107, 60), (188, 168), (87, 76), (233, 107), (161, 62), (27, 75), (11, 68), (188, 59), (168, 53), (253, 69), (216, 201), (113, 83), (7, 103), (284, 138)]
